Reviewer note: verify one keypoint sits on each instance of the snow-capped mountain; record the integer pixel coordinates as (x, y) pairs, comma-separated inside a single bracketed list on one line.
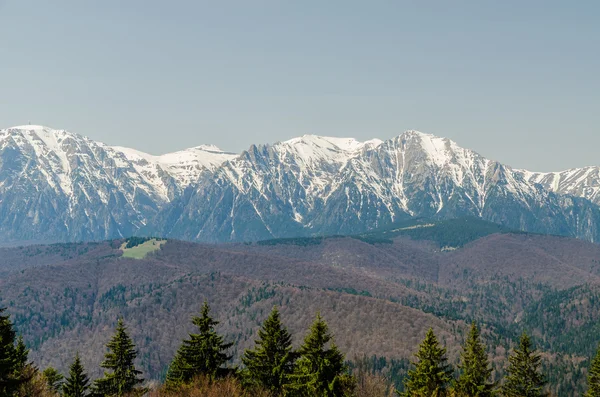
[(184, 167), (56, 185), (317, 185), (579, 182)]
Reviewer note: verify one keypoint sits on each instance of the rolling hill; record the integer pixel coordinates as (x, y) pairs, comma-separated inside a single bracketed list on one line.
[(378, 292)]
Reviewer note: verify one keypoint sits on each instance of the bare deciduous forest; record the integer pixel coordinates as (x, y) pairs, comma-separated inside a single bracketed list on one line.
[(378, 297)]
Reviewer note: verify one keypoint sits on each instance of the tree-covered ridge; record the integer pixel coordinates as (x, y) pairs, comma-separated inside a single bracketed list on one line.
[(65, 298), (447, 234)]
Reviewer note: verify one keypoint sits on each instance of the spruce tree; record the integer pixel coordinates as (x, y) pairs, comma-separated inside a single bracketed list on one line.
[(523, 377), (320, 371), (432, 375), (594, 377), (474, 379), (119, 360), (13, 359), (271, 362), (77, 383), (204, 353), (21, 354)]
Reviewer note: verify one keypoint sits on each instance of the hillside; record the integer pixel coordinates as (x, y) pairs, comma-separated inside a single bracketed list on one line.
[(378, 297)]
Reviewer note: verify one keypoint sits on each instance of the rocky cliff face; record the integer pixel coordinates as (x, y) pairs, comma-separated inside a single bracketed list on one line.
[(57, 186), (316, 185)]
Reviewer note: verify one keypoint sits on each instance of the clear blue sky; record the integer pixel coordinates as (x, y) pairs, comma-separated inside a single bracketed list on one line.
[(518, 81)]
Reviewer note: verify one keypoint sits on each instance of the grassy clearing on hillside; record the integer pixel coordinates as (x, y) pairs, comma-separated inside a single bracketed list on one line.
[(140, 251)]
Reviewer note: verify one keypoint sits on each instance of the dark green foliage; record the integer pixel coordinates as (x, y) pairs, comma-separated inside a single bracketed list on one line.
[(271, 362), (351, 291), (475, 370), (53, 378), (373, 239), (12, 359), (300, 241), (553, 314), (202, 354), (432, 375), (119, 360), (320, 370), (135, 241), (594, 377), (21, 354), (523, 377), (77, 383), (448, 233)]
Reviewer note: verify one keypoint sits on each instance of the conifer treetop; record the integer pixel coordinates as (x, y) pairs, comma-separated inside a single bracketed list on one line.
[(77, 383), (271, 362), (119, 360), (431, 375), (475, 369), (524, 378)]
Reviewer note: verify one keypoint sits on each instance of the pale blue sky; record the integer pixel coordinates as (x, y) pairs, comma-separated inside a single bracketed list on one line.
[(518, 81)]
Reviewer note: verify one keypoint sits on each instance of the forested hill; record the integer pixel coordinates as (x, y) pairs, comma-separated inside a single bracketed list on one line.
[(379, 294)]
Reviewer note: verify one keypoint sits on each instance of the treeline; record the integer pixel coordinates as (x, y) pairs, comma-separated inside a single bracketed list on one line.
[(274, 368)]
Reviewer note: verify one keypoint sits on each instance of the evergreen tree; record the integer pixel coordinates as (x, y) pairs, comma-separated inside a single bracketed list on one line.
[(271, 362), (21, 354), (202, 354), (523, 378), (474, 379), (320, 371), (53, 378), (594, 377), (120, 358), (77, 383), (432, 375), (13, 359)]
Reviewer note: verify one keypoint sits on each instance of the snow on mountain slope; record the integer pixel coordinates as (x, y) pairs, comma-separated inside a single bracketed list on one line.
[(187, 165), (579, 182), (184, 166), (319, 185), (55, 184), (58, 185)]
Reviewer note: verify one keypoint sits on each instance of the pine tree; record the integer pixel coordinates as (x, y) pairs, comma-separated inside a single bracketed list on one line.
[(123, 377), (594, 377), (474, 379), (202, 354), (77, 383), (53, 378), (271, 362), (320, 371), (523, 378), (432, 375), (13, 359)]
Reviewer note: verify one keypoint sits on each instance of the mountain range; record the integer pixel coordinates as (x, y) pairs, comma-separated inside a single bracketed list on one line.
[(60, 186)]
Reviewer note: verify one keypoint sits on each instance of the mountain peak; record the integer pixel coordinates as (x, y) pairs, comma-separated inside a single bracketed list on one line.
[(343, 144), (208, 148), (421, 135), (30, 127)]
